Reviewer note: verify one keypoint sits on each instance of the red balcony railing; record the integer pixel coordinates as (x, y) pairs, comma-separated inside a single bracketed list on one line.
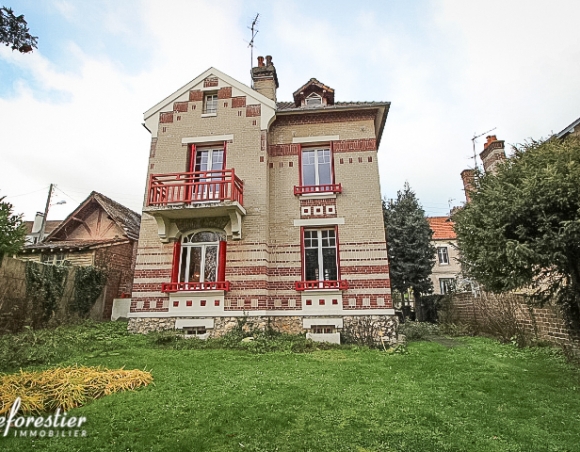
[(327, 188), (195, 286), (195, 187), (313, 285)]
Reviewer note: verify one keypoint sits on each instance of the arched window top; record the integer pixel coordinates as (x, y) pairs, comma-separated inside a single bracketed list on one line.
[(313, 99), (202, 237)]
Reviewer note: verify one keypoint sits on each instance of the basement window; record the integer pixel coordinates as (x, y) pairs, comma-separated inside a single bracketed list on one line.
[(322, 329), (194, 330)]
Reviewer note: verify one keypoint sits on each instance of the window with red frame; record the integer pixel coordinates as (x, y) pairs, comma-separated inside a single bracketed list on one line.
[(201, 258), (316, 167), (320, 255)]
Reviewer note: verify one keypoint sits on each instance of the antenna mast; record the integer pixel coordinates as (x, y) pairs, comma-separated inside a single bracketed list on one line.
[(475, 137), (251, 43)]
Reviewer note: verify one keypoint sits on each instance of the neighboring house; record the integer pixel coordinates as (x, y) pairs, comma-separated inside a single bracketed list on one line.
[(262, 210), (572, 129), (33, 228), (100, 232), (447, 267)]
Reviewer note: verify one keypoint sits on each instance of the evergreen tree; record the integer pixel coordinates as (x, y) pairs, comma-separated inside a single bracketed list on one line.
[(14, 31), (411, 254), (521, 228), (12, 230)]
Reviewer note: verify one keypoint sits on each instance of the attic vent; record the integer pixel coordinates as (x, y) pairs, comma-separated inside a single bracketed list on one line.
[(313, 100)]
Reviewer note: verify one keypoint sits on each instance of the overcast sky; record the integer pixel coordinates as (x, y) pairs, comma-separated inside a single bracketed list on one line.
[(71, 112)]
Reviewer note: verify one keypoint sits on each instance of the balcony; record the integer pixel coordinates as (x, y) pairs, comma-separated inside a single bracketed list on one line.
[(194, 286), (317, 285), (317, 189), (196, 194)]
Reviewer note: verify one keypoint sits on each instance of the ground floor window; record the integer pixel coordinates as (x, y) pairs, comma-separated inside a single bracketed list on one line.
[(200, 257), (320, 256), (446, 285)]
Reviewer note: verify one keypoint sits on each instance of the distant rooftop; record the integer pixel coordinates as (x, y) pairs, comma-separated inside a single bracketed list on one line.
[(442, 228)]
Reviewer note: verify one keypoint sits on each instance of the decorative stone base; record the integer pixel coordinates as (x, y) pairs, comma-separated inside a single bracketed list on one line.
[(369, 328)]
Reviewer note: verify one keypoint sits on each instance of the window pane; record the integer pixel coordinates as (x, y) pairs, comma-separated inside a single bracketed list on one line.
[(206, 236), (311, 267), (195, 265), (183, 265), (210, 271), (308, 168), (329, 263)]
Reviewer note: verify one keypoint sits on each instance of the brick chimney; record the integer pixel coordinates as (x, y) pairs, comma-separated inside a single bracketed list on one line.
[(492, 154), (264, 78), (468, 177)]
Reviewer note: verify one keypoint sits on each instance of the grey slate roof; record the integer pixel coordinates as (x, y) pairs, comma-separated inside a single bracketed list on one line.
[(290, 106)]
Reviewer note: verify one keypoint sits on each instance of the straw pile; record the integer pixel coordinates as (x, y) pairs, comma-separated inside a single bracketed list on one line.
[(65, 388)]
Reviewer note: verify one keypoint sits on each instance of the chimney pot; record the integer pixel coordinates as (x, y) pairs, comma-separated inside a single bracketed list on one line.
[(490, 139), (268, 60), (260, 61)]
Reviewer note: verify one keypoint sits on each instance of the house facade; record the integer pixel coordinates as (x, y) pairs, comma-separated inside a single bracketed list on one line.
[(100, 232), (264, 210), (447, 267)]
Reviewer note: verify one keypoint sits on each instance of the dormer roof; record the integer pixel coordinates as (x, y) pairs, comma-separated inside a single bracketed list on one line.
[(313, 86)]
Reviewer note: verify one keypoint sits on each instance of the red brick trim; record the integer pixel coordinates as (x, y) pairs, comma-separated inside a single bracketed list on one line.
[(365, 269), (278, 150), (166, 117), (180, 107), (369, 284), (354, 145), (321, 118), (238, 102), (253, 110), (225, 92), (210, 82), (196, 96)]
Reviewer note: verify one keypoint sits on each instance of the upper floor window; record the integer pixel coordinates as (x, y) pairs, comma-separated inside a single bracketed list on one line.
[(313, 100), (210, 103), (316, 167), (442, 255)]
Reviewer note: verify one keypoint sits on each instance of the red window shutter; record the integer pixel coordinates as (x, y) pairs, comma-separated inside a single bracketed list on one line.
[(176, 255), (222, 261), (191, 168)]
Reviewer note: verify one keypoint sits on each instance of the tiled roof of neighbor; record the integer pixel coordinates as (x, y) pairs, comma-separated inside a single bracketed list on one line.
[(72, 244), (124, 217), (288, 106), (442, 228), (51, 225)]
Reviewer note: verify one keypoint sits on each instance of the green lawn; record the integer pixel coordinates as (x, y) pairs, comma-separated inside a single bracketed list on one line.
[(476, 395)]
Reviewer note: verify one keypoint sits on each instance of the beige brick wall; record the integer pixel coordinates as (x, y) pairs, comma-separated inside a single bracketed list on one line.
[(266, 263)]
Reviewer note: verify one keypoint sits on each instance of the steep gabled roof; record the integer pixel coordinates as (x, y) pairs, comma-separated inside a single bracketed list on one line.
[(310, 86), (569, 129), (127, 220), (442, 227)]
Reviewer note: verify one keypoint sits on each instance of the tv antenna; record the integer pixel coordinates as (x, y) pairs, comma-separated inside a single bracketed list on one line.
[(251, 43), (475, 137)]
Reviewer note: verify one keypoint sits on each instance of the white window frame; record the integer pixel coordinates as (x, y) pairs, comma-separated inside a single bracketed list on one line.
[(316, 165), (187, 245), (442, 255), (320, 257), (210, 99), (53, 259), (446, 285), (313, 97)]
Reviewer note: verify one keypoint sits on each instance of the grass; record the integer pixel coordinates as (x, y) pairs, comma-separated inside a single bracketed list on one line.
[(479, 396)]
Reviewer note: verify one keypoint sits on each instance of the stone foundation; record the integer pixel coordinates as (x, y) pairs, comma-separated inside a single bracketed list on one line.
[(375, 326)]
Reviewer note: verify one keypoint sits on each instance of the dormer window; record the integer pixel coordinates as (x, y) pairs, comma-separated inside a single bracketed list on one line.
[(313, 100)]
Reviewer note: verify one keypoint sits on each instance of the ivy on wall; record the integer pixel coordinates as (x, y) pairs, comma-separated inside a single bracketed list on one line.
[(44, 287), (89, 283)]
